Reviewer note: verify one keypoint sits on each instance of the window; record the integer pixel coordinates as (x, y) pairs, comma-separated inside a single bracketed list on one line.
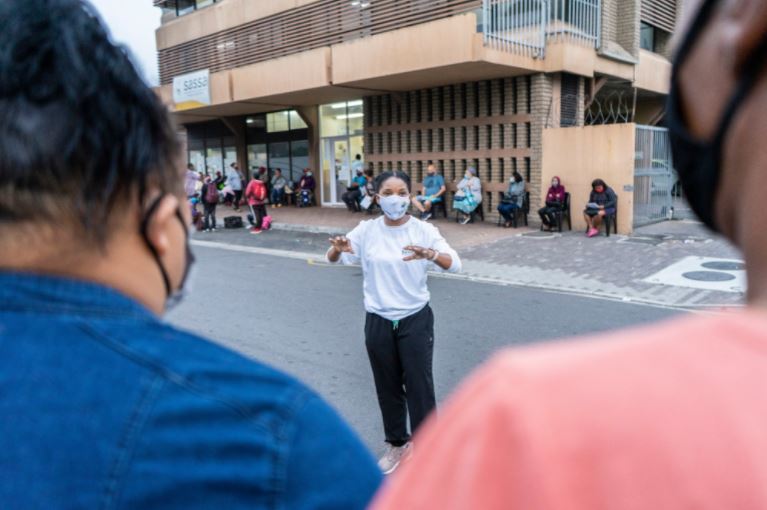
[(277, 122), (257, 156), (569, 100), (296, 122), (647, 37), (279, 156), (299, 158), (185, 7)]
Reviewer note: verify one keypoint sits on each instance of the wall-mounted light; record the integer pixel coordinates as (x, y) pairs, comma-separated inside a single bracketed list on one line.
[(350, 116)]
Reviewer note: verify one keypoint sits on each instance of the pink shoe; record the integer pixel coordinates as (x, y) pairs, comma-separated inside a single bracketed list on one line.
[(592, 232), (255, 230)]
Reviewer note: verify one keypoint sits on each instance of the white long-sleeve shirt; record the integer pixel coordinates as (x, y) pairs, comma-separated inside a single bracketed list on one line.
[(393, 288)]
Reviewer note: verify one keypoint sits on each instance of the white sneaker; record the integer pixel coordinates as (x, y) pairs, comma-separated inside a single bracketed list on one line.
[(466, 220), (393, 457)]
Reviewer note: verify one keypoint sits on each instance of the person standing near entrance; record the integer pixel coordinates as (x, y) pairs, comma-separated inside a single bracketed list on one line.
[(432, 192), (396, 251), (210, 200), (235, 179)]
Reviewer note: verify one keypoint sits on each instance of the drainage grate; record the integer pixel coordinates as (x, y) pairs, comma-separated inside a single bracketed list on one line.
[(725, 266), (708, 276)]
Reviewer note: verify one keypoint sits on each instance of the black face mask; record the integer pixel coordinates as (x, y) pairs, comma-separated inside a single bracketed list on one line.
[(172, 297), (699, 162)]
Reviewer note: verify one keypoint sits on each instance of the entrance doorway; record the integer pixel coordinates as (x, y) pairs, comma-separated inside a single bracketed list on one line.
[(336, 169)]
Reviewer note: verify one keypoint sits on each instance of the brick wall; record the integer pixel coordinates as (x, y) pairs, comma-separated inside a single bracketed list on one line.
[(620, 25), (493, 125)]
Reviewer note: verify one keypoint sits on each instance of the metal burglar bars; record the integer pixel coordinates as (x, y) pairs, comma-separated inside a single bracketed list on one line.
[(318, 24), (516, 25), (654, 176), (525, 26), (579, 20)]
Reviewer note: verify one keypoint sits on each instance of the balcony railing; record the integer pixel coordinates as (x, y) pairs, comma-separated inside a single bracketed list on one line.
[(318, 24), (525, 26)]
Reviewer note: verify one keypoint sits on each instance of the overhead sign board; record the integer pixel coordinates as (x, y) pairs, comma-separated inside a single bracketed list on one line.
[(191, 90)]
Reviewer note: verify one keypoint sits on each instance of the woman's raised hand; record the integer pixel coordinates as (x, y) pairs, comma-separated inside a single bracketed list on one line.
[(418, 253), (341, 244)]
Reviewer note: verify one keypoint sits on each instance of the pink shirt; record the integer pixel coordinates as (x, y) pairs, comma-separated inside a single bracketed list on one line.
[(672, 416)]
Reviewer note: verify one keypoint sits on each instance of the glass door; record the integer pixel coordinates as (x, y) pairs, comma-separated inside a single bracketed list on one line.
[(336, 169)]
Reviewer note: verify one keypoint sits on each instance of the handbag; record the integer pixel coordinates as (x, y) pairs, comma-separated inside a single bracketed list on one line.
[(509, 199)]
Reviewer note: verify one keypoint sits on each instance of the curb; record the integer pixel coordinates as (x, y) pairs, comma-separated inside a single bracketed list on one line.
[(309, 229)]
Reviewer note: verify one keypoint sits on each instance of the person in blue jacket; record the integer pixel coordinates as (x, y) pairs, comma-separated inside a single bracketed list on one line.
[(103, 404)]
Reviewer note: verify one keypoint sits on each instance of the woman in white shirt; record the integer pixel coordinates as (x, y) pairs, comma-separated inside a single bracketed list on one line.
[(396, 251), (469, 195)]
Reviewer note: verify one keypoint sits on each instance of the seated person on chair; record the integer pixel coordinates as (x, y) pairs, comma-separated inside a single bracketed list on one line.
[(306, 188), (602, 202), (278, 188), (353, 194), (431, 193), (512, 199), (469, 195), (555, 202)]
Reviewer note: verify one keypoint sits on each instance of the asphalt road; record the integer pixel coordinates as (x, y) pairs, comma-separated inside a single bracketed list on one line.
[(307, 320)]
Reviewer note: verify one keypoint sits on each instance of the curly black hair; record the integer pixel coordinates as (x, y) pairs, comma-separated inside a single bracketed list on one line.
[(80, 131)]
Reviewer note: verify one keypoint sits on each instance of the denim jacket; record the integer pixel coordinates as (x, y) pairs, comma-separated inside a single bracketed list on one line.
[(104, 406)]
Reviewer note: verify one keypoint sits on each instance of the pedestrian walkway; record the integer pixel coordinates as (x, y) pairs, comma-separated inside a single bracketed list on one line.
[(646, 267), (328, 220)]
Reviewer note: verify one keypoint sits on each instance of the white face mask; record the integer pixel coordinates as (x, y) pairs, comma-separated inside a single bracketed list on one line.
[(394, 206)]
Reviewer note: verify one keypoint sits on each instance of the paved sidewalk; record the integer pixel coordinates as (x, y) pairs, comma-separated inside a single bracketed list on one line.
[(617, 267), (327, 220)]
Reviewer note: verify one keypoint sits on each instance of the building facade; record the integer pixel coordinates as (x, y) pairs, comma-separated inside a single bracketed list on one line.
[(312, 83)]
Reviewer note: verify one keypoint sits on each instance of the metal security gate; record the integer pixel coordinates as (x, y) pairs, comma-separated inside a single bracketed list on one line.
[(654, 176)]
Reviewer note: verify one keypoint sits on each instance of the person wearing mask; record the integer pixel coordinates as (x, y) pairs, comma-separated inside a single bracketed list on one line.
[(396, 251), (602, 202), (234, 179), (104, 403), (353, 195), (210, 198), (278, 188), (306, 188), (665, 416), (513, 199), (469, 195), (555, 202), (190, 181), (432, 192)]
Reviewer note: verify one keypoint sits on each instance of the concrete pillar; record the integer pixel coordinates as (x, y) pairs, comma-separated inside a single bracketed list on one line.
[(311, 115), (237, 126)]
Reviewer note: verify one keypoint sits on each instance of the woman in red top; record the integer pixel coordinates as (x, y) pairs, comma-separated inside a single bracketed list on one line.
[(555, 201), (255, 193)]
